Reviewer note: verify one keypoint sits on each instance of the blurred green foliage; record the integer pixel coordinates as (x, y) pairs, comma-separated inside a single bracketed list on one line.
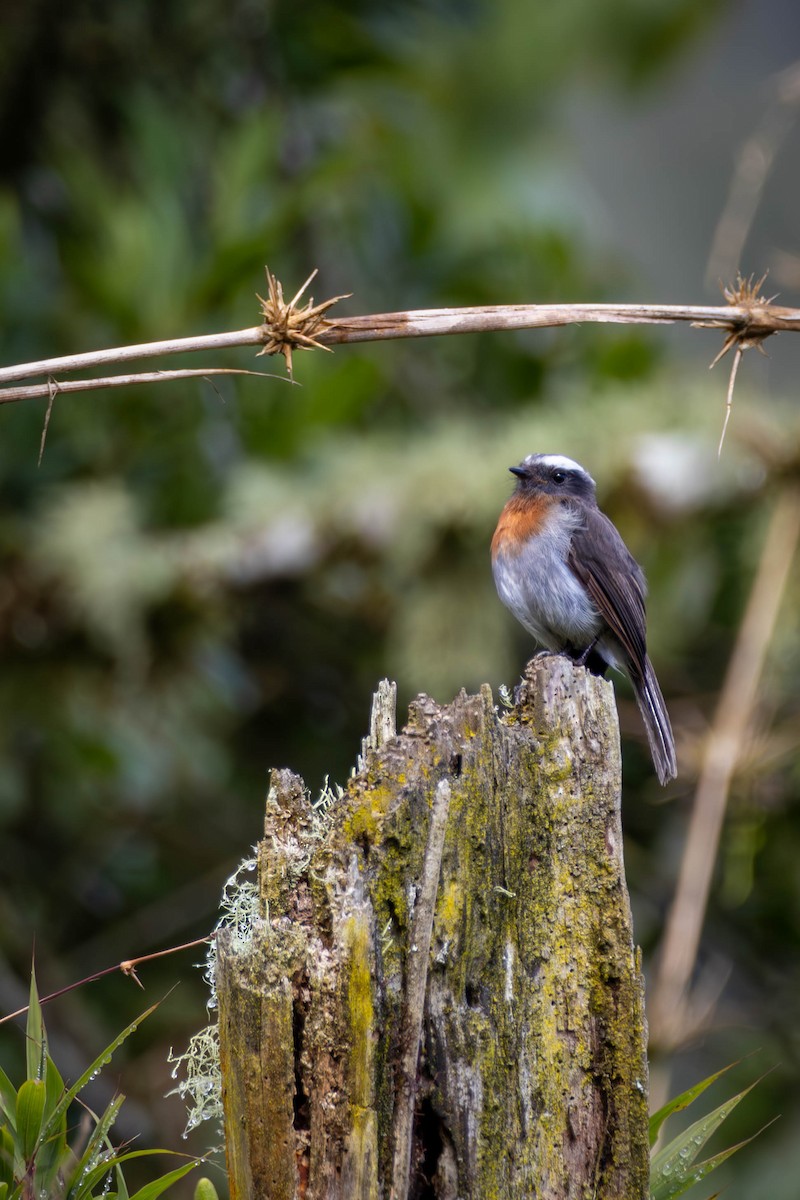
[(201, 582), (44, 1151)]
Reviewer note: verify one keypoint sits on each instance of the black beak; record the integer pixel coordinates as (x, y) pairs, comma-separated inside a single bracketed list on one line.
[(520, 472)]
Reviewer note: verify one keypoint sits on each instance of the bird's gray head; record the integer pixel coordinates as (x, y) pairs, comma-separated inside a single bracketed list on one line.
[(555, 475)]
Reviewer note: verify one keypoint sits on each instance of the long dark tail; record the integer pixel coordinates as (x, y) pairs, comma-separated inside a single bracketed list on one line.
[(656, 722)]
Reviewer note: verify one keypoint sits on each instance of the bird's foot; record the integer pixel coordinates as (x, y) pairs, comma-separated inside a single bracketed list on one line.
[(590, 657)]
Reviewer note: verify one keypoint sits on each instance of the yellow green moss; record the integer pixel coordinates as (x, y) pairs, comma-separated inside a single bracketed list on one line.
[(448, 910), (361, 1011), (368, 809)]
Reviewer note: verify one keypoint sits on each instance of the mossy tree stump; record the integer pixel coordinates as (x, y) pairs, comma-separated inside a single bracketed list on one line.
[(443, 999)]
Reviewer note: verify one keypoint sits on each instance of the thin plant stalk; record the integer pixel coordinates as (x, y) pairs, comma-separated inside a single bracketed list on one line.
[(672, 1015)]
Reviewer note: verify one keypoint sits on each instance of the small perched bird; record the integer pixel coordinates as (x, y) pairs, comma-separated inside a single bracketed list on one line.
[(564, 571)]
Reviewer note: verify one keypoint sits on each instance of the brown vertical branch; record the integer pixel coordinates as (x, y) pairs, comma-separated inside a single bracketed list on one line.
[(454, 948), (671, 1014), (751, 171)]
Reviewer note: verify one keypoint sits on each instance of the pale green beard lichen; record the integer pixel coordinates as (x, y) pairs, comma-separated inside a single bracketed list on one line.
[(197, 1068), (200, 1087)]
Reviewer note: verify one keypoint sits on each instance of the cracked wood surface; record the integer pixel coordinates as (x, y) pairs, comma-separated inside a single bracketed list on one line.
[(443, 999)]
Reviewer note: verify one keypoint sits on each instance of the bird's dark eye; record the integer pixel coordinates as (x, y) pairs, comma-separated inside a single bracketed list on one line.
[(559, 476)]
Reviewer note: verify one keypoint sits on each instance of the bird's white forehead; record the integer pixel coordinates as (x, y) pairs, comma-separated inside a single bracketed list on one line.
[(556, 460)]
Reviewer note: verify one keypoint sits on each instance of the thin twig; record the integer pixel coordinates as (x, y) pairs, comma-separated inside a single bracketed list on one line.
[(127, 966), (672, 1013), (751, 171), (737, 358), (101, 358), (53, 387)]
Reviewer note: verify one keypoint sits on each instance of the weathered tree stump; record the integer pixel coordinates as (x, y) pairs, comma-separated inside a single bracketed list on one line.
[(444, 999)]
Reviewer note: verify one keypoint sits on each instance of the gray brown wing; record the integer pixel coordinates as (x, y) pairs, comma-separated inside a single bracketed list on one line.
[(615, 582)]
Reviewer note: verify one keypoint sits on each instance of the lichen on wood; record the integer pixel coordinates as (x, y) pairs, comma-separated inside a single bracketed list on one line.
[(444, 999)]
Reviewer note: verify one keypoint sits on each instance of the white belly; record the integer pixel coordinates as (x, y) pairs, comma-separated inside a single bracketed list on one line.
[(542, 592)]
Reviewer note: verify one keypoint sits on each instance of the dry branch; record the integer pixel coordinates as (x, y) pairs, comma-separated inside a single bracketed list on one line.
[(102, 358), (52, 388), (746, 319)]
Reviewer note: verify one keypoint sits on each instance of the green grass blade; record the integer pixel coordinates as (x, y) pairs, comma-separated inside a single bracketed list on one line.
[(55, 1087), (34, 1033), (101, 1061), (122, 1187), (680, 1102), (84, 1184), (30, 1115), (151, 1190), (89, 1159), (54, 1129), (84, 1187), (672, 1167), (8, 1099), (695, 1174), (6, 1157)]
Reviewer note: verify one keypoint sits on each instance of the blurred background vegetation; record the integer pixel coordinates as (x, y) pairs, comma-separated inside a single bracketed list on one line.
[(200, 582)]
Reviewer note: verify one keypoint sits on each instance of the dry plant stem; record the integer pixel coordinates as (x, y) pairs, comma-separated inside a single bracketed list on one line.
[(127, 967), (53, 392), (52, 388), (672, 1015), (751, 171), (743, 319), (737, 358), (747, 318), (100, 358)]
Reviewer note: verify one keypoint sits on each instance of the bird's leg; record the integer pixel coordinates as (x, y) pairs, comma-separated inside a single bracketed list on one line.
[(593, 660), (581, 660)]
